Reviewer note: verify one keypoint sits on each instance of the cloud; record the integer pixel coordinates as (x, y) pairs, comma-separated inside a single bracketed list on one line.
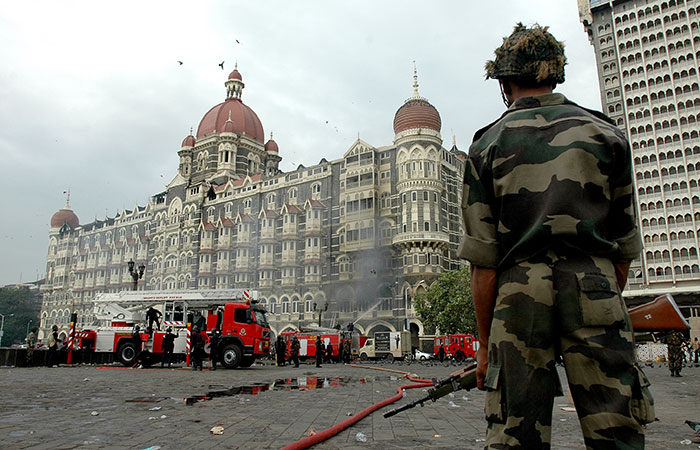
[(93, 98)]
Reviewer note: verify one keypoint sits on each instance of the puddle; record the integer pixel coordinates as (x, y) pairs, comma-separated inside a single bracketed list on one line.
[(282, 384)]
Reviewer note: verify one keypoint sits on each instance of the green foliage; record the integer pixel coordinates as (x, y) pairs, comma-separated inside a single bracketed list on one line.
[(447, 305), (19, 306)]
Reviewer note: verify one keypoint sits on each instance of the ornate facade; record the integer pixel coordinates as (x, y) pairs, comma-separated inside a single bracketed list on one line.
[(350, 240), (647, 53)]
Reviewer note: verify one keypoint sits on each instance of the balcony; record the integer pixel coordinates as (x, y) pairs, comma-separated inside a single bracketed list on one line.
[(415, 237)]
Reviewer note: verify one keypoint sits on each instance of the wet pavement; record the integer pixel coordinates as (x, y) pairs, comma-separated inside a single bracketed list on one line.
[(268, 407)]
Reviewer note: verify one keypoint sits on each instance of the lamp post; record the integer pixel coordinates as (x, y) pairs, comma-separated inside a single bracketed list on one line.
[(320, 312), (2, 325), (136, 275), (28, 324)]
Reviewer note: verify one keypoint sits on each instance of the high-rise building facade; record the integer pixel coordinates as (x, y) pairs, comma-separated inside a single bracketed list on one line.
[(647, 53), (353, 239)]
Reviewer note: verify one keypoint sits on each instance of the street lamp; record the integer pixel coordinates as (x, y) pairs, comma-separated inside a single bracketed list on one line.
[(2, 325), (134, 274), (320, 312), (28, 323)]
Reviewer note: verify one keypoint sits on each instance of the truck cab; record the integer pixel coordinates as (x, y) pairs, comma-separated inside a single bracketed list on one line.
[(245, 333)]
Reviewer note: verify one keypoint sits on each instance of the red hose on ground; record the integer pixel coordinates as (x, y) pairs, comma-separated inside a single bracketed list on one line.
[(337, 428)]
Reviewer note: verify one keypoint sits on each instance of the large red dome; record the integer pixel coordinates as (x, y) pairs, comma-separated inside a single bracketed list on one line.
[(244, 120), (417, 113), (64, 217)]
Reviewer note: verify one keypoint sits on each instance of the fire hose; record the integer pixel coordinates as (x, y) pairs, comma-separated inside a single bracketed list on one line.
[(337, 428)]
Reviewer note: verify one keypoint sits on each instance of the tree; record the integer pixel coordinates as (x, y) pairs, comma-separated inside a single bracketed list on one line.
[(19, 305), (447, 305)]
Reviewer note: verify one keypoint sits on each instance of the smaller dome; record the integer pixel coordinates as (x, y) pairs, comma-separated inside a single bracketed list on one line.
[(271, 146), (64, 217), (235, 75), (188, 141)]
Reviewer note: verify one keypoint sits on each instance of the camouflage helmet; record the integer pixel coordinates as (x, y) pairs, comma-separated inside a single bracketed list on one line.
[(529, 53)]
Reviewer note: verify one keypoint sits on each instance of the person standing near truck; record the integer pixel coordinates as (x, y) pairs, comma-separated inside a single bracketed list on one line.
[(53, 347), (294, 351), (550, 231), (167, 346), (281, 351), (214, 347), (320, 351), (197, 348)]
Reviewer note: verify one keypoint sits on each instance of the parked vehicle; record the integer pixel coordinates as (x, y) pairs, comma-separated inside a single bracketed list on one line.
[(422, 356), (457, 346), (245, 332), (387, 345)]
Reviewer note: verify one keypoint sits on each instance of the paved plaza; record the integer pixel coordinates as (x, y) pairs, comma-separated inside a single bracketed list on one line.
[(269, 407)]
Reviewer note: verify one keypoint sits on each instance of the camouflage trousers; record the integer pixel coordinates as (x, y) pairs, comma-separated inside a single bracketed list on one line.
[(563, 309), (675, 358)]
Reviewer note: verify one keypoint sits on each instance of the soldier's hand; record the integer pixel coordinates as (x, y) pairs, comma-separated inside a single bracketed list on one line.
[(482, 363)]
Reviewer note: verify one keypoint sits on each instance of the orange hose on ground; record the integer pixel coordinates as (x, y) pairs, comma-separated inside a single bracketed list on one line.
[(337, 428)]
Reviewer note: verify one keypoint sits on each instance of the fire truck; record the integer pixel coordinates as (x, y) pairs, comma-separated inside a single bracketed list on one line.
[(307, 342), (457, 346), (245, 332)]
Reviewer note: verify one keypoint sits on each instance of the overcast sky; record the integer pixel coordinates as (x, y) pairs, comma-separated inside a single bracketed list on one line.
[(92, 98)]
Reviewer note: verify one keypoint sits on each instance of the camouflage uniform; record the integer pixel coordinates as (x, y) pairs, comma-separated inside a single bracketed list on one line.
[(547, 203), (674, 344)]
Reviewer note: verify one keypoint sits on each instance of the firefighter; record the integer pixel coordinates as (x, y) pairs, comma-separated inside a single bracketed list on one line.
[(329, 353), (167, 346), (320, 351), (294, 354), (347, 351), (153, 315), (197, 348), (441, 353), (136, 339), (214, 347), (281, 350)]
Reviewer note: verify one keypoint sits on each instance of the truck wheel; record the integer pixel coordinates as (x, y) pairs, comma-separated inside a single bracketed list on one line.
[(363, 357), (231, 356), (127, 354), (390, 357), (460, 356), (247, 361)]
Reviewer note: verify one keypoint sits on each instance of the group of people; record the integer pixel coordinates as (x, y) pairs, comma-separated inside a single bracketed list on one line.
[(324, 352)]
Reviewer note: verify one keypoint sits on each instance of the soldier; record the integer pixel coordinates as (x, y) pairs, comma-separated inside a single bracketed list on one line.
[(294, 351), (31, 342), (675, 353), (550, 232)]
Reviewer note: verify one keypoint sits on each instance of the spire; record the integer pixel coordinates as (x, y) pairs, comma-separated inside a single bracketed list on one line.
[(67, 198), (271, 135), (454, 140), (191, 128), (415, 81)]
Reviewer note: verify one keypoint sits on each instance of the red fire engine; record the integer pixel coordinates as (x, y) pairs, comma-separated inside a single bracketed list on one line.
[(457, 346), (245, 332), (307, 342)]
